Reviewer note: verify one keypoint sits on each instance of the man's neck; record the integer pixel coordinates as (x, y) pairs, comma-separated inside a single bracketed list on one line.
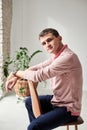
[(59, 48)]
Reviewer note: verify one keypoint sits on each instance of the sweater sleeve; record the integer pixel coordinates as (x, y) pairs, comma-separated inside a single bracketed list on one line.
[(62, 64)]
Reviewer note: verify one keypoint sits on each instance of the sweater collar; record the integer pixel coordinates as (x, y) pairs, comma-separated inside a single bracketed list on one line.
[(64, 46)]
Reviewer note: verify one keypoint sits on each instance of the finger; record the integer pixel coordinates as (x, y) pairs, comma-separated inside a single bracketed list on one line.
[(9, 86)]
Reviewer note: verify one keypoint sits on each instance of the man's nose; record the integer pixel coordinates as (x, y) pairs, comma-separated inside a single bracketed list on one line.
[(47, 44)]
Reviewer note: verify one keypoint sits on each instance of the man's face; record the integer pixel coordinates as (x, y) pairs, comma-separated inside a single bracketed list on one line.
[(51, 43)]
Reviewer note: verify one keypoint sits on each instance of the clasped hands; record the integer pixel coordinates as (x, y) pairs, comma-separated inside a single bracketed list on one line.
[(12, 79)]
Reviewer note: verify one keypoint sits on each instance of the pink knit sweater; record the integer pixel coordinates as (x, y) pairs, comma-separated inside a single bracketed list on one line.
[(65, 73)]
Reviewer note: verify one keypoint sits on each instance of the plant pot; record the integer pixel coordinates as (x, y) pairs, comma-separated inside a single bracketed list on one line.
[(22, 88)]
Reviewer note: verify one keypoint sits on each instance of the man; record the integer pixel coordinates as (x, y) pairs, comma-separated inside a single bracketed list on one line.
[(65, 72)]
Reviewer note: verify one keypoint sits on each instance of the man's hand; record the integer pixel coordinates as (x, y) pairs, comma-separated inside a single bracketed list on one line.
[(10, 76), (10, 82)]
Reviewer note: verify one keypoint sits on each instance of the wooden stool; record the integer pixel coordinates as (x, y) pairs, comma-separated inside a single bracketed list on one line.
[(75, 124)]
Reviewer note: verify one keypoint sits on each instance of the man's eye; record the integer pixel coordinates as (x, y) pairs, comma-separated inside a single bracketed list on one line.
[(43, 43), (49, 40)]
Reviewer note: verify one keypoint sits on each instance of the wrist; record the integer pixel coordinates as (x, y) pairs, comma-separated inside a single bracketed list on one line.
[(17, 74)]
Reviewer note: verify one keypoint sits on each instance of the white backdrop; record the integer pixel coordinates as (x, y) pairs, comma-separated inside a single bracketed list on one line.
[(67, 16)]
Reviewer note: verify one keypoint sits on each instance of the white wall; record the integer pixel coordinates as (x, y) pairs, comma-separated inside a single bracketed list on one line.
[(67, 16)]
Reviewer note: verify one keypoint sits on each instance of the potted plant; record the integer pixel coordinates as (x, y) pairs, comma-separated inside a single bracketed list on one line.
[(20, 62)]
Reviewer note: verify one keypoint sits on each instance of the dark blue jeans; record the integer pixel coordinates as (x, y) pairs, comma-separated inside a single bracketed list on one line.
[(51, 118)]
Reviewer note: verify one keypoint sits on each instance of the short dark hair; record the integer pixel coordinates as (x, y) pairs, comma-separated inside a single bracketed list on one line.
[(49, 30)]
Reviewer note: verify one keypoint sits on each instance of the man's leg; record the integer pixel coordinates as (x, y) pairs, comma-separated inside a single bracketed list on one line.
[(57, 116), (45, 105)]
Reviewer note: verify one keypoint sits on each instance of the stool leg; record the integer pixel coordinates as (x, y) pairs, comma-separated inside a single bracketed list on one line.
[(76, 127), (67, 127)]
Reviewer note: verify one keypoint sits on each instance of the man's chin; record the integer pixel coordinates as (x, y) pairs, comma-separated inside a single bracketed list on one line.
[(50, 51)]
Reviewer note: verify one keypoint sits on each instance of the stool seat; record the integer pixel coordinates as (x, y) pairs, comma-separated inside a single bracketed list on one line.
[(75, 123)]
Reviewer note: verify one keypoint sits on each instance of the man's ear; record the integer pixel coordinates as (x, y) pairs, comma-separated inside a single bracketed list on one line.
[(60, 38)]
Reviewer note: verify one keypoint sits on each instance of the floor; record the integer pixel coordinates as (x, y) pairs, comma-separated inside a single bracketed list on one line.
[(13, 115)]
